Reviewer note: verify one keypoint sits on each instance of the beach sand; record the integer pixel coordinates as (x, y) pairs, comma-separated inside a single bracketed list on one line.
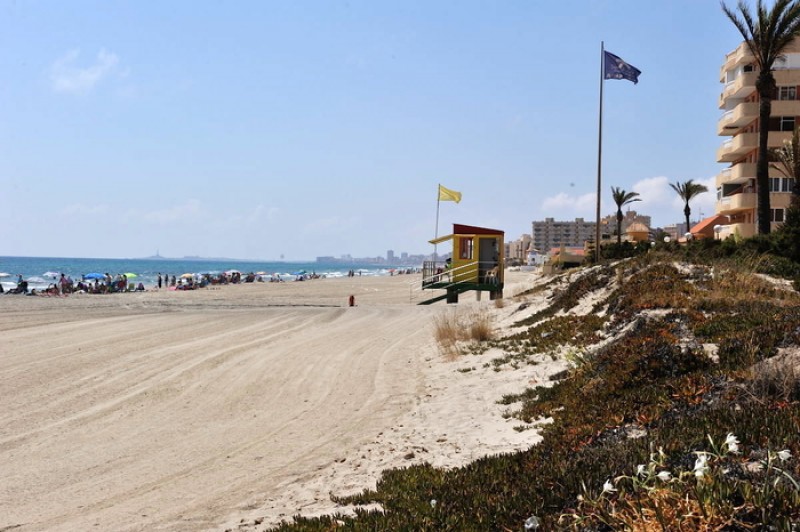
[(237, 407)]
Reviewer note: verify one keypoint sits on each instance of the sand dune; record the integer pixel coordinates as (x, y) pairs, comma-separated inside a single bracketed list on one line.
[(198, 410)]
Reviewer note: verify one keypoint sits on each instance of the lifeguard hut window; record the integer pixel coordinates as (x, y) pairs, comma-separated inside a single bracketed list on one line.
[(465, 248)]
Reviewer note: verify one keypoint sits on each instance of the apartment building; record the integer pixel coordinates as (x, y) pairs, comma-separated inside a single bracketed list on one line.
[(550, 234), (739, 101), (517, 250)]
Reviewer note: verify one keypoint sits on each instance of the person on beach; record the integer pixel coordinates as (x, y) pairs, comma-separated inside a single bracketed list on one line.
[(159, 280)]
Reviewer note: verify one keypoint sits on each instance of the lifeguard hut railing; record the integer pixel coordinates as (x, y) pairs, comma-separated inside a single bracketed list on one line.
[(436, 274)]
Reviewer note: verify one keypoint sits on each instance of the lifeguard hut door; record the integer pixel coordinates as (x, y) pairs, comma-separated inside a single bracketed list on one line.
[(487, 256)]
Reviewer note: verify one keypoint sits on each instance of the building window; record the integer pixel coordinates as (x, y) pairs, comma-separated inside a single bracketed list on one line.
[(787, 123), (781, 184), (787, 93), (776, 215), (465, 248), (748, 68)]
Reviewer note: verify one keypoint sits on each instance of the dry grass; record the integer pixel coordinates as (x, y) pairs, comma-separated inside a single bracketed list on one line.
[(453, 329), (777, 378)]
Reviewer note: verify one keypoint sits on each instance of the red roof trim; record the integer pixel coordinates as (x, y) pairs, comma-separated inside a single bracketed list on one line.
[(459, 229)]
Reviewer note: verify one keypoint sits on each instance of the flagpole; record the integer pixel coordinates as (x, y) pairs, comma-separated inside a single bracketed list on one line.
[(436, 233), (599, 156)]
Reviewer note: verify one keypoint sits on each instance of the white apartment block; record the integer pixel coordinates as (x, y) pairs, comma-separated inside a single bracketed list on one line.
[(550, 234)]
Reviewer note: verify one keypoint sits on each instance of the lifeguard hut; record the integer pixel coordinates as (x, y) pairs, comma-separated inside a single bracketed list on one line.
[(476, 264)]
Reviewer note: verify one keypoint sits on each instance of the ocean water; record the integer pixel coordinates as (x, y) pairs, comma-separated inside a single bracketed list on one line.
[(42, 271)]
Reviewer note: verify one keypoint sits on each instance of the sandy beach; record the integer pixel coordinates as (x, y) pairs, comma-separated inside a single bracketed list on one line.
[(236, 407)]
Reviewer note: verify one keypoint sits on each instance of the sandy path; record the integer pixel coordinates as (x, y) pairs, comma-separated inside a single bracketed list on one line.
[(232, 408)]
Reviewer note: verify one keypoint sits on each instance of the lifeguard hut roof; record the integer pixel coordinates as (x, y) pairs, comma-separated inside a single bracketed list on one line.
[(464, 230)]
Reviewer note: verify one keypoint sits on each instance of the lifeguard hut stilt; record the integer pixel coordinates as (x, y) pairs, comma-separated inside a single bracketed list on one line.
[(476, 264)]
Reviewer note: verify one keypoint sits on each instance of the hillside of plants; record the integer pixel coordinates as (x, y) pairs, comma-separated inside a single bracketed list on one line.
[(680, 410)]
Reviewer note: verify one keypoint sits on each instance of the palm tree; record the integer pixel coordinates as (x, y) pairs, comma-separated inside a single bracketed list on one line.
[(767, 33), (786, 159), (688, 190), (622, 198)]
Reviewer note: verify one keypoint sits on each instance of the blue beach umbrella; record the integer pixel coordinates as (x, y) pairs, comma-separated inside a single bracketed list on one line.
[(94, 276)]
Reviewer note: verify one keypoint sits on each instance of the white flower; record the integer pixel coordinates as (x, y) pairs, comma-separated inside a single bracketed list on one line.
[(732, 443), (640, 470), (608, 487), (664, 476), (784, 455), (701, 465)]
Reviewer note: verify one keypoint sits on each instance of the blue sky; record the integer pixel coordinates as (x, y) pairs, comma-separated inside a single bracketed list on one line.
[(263, 129)]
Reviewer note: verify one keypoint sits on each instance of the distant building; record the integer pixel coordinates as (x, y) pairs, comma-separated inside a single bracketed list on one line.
[(637, 232), (675, 231), (517, 250), (550, 234), (609, 223), (390, 256)]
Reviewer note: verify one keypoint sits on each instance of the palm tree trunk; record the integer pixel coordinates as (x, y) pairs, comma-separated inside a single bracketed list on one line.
[(766, 85), (619, 226), (687, 211)]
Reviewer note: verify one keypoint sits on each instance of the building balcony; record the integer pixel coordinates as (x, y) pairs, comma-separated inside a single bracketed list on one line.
[(733, 149), (742, 230), (735, 203), (739, 116), (740, 56), (738, 173), (743, 85)]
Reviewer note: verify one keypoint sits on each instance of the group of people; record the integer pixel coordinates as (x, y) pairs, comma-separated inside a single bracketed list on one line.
[(65, 285), (106, 283)]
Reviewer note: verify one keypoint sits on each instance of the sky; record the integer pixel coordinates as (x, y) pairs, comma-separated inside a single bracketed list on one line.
[(271, 130)]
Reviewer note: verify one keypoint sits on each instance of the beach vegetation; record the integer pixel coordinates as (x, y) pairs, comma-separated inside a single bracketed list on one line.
[(458, 333), (679, 408)]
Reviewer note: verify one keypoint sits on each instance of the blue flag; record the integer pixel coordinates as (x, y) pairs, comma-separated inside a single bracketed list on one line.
[(616, 68)]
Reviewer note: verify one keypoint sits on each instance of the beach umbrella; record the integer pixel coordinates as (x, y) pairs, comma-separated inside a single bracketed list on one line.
[(187, 276), (94, 275)]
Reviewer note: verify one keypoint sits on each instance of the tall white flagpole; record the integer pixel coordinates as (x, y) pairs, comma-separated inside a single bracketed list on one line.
[(599, 156)]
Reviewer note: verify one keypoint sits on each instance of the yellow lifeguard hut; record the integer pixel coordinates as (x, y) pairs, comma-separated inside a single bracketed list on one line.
[(476, 264)]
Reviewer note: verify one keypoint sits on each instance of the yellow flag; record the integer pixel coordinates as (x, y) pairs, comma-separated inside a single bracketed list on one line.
[(445, 194)]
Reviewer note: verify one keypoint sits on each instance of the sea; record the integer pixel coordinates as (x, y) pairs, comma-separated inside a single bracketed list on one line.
[(40, 272)]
